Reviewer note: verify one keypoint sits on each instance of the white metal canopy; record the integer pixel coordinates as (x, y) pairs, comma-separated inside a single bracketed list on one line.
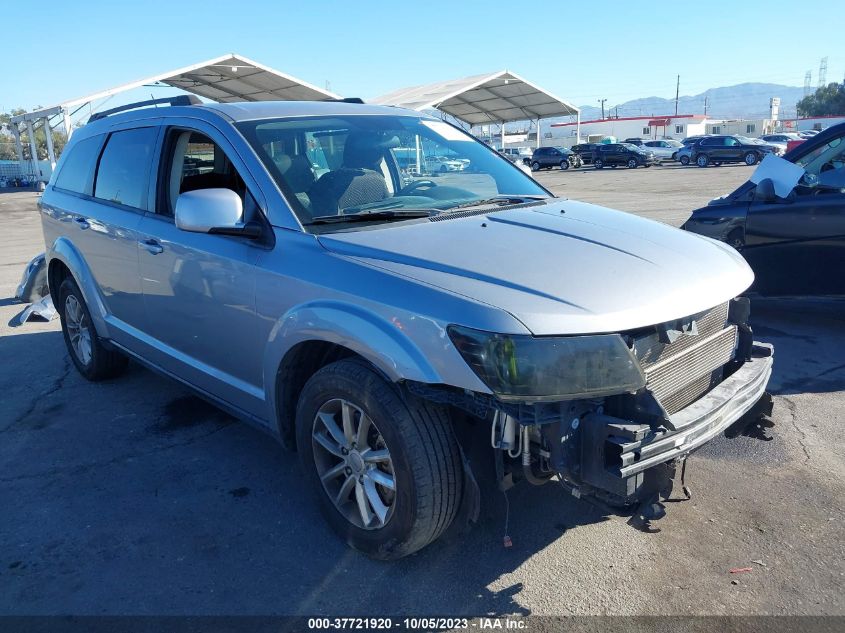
[(501, 97), (228, 78)]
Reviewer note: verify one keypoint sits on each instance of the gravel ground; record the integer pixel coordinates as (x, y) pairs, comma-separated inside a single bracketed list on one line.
[(134, 497)]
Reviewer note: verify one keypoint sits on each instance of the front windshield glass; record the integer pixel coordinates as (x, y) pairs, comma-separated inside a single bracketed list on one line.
[(334, 167)]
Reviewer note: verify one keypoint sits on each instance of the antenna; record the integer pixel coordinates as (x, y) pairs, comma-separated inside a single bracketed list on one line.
[(808, 79), (823, 72)]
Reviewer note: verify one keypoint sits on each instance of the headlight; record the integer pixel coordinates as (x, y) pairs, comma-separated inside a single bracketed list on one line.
[(549, 368)]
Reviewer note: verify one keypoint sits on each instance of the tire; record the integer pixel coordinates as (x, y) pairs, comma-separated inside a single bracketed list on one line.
[(91, 358), (632, 163), (684, 160), (535, 166), (423, 461), (675, 156), (750, 159), (598, 163), (443, 169), (564, 164), (702, 160)]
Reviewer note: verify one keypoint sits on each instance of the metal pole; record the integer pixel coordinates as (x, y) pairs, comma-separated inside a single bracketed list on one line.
[(677, 92), (18, 146), (33, 150), (578, 127), (68, 126), (51, 154), (538, 133), (503, 135)]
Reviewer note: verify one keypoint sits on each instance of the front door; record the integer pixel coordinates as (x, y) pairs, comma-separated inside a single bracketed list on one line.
[(798, 246), (199, 288)]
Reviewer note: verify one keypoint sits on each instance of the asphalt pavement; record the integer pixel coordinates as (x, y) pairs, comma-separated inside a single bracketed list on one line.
[(135, 497)]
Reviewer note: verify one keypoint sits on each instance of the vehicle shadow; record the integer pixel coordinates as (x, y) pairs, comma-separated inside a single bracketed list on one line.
[(159, 503), (809, 339)]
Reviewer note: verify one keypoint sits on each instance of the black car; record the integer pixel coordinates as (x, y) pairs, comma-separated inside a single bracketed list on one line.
[(613, 154), (548, 157), (586, 151), (794, 244), (720, 149), (692, 140), (639, 142)]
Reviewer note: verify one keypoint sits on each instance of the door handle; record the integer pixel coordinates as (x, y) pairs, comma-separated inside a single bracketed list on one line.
[(82, 223), (151, 246)]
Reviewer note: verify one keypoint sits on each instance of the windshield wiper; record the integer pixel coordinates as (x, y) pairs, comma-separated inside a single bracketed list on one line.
[(393, 214), (502, 200)]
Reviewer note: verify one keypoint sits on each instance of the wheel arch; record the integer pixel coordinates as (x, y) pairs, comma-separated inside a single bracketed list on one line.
[(317, 334), (64, 260)]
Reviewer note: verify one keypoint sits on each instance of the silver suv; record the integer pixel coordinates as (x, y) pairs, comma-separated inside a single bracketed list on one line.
[(295, 264)]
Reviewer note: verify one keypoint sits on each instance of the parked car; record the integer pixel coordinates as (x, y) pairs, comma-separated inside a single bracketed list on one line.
[(548, 157), (795, 243), (443, 164), (684, 154), (586, 152), (781, 138), (334, 313), (692, 140), (664, 149), (517, 154), (639, 142), (807, 133), (614, 154), (720, 149)]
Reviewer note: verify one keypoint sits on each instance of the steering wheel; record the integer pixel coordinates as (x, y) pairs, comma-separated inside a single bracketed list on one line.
[(428, 184)]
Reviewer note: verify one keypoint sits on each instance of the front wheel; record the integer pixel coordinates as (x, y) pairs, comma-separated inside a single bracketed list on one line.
[(702, 160), (564, 164), (751, 159), (598, 163), (387, 469), (632, 163), (91, 358)]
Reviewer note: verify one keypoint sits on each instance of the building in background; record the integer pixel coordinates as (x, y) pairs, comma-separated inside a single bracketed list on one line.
[(652, 127)]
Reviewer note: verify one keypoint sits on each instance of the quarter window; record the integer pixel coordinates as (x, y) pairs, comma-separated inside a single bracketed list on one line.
[(124, 169), (78, 167)]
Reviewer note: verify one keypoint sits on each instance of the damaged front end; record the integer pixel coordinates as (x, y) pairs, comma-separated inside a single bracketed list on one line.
[(642, 409)]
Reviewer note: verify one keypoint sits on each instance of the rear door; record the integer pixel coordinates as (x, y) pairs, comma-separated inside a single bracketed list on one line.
[(732, 149), (104, 223), (199, 288)]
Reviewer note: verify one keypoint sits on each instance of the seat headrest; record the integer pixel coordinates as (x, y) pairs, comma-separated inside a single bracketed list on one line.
[(366, 149), (283, 162)]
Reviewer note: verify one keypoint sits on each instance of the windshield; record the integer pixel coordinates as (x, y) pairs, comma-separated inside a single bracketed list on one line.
[(386, 166), (674, 143)]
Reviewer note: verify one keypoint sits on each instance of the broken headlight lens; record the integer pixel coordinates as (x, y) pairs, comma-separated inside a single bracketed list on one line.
[(547, 368)]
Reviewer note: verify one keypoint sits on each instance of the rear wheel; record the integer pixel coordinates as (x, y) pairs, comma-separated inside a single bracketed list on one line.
[(751, 158), (387, 469), (684, 160), (702, 160), (598, 163), (91, 358), (535, 166), (564, 164)]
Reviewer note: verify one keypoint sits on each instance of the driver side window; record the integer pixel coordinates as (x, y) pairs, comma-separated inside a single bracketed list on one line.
[(830, 157)]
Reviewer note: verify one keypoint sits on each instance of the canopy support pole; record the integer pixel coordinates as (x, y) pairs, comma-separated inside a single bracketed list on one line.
[(578, 126), (503, 135), (51, 154), (18, 146), (68, 126), (538, 133), (32, 149)]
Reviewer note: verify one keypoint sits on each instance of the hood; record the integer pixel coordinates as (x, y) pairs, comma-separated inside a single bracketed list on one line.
[(562, 267)]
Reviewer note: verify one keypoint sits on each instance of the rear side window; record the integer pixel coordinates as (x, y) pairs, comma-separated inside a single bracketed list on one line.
[(78, 167), (124, 169)]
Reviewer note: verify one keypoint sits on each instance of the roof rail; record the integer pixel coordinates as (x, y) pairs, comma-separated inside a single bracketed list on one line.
[(180, 100)]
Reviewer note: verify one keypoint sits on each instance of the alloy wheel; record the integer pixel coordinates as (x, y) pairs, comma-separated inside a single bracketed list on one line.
[(78, 330), (354, 464)]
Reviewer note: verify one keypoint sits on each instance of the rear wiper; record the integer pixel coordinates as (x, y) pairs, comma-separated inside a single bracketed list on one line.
[(503, 200), (399, 214)]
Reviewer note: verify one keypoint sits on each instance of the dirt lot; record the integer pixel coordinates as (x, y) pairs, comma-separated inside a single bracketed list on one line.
[(135, 497)]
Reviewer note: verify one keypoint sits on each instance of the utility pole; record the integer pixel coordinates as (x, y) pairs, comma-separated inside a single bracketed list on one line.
[(677, 94), (705, 106), (601, 101)]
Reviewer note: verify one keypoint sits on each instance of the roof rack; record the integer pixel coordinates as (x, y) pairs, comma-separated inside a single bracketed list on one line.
[(180, 100)]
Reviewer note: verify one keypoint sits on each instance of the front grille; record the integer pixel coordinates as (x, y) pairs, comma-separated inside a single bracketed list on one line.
[(680, 372)]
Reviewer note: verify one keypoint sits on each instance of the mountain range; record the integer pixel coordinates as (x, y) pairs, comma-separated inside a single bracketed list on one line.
[(743, 101)]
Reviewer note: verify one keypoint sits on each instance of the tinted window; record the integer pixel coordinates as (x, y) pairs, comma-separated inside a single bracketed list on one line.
[(76, 171), (125, 167)]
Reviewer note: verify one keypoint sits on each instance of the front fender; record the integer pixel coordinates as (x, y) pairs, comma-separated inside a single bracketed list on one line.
[(64, 251)]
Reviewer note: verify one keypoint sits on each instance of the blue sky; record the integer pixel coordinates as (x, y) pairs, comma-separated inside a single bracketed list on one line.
[(605, 49)]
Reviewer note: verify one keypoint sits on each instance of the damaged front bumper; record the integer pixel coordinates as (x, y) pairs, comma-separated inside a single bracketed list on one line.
[(617, 454)]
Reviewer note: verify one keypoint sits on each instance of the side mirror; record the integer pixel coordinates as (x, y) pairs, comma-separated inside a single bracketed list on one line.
[(765, 191), (216, 211)]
